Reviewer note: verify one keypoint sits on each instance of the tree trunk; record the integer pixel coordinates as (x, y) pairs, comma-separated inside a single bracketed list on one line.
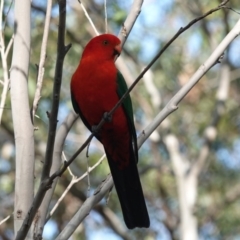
[(23, 128)]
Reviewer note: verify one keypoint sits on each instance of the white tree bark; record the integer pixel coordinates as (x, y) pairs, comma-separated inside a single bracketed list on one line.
[(187, 189), (23, 128)]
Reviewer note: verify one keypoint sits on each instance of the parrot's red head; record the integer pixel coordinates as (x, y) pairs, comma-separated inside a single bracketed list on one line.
[(104, 47)]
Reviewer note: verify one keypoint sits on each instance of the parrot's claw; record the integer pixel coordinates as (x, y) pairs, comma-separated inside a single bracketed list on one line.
[(94, 129), (107, 117)]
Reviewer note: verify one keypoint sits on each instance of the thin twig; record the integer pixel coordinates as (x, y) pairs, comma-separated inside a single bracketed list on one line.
[(88, 17), (41, 69), (88, 178), (106, 17), (131, 18), (73, 181), (9, 8), (5, 219), (1, 15), (4, 65), (9, 46), (86, 208), (232, 9)]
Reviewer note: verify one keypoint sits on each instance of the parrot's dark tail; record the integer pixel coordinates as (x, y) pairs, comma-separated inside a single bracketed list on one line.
[(130, 194)]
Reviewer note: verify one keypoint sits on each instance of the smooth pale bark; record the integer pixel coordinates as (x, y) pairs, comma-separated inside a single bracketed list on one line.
[(23, 128)]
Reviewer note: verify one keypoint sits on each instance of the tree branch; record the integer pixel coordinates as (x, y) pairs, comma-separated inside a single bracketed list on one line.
[(114, 222), (131, 19), (86, 208), (88, 17), (41, 69), (61, 51), (5, 75), (4, 55), (58, 148)]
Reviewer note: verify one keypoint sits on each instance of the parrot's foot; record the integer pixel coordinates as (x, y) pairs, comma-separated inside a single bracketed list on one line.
[(94, 129), (107, 117)]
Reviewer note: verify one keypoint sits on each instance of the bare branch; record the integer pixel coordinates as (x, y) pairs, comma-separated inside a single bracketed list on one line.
[(131, 19), (9, 46), (5, 219), (114, 221), (88, 17), (86, 208), (75, 180), (152, 89), (1, 15), (106, 17), (223, 89), (62, 51), (58, 148), (41, 69), (9, 8), (186, 183), (5, 75), (210, 133), (4, 55)]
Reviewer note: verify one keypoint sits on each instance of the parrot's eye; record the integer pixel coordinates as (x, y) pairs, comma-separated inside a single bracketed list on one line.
[(105, 42)]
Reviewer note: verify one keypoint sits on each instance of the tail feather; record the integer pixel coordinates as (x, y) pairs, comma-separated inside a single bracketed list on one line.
[(130, 194)]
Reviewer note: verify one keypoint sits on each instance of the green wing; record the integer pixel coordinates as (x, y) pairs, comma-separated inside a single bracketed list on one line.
[(127, 106)]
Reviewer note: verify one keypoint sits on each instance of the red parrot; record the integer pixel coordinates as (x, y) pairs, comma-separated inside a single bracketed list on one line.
[(96, 87)]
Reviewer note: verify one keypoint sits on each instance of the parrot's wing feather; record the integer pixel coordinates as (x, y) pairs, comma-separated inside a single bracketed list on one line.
[(127, 106), (77, 110)]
